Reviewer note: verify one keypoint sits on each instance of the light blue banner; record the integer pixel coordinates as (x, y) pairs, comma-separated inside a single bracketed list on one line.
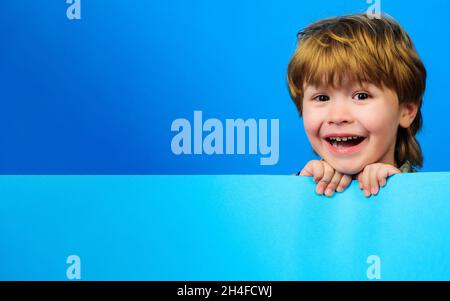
[(221, 228)]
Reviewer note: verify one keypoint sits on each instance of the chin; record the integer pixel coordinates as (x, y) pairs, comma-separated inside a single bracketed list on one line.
[(346, 169)]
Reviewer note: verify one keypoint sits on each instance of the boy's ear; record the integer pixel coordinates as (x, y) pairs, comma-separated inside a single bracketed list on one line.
[(408, 112)]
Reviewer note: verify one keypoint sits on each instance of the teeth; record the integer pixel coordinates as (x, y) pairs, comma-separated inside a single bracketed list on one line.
[(343, 138)]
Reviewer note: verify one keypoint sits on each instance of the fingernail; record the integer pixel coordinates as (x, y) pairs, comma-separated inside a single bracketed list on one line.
[(374, 190), (339, 189), (366, 193), (328, 192)]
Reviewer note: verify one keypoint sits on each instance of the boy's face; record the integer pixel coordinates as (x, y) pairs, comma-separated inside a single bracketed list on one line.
[(370, 115)]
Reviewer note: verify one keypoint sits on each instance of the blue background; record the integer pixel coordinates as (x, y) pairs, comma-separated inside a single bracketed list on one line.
[(98, 95)]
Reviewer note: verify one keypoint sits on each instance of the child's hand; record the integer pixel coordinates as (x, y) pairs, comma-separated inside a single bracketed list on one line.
[(374, 176), (328, 180)]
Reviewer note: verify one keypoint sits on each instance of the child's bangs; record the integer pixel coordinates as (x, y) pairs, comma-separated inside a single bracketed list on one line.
[(336, 62)]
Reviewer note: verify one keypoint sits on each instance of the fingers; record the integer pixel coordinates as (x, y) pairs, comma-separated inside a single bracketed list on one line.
[(388, 171), (325, 180), (360, 179), (374, 176), (373, 181), (345, 181), (320, 173), (365, 179), (328, 180), (332, 185), (308, 169), (313, 169), (381, 177)]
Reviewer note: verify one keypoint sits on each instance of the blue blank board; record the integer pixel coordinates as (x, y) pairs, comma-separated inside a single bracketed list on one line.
[(222, 227)]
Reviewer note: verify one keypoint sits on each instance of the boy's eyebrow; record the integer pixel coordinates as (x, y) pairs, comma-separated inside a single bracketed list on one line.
[(364, 85), (315, 88), (311, 90), (355, 85)]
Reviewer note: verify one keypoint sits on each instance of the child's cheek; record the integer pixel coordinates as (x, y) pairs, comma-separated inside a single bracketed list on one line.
[(382, 123), (381, 128), (311, 124)]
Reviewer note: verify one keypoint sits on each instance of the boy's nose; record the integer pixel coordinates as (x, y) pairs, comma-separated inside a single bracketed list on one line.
[(339, 114)]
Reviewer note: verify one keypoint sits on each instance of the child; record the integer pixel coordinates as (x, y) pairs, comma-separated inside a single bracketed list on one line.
[(358, 84)]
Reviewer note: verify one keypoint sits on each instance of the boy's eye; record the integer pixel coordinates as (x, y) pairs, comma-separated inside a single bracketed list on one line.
[(321, 98), (361, 96)]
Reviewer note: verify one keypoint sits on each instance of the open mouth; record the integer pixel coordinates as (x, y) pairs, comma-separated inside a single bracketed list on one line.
[(345, 142)]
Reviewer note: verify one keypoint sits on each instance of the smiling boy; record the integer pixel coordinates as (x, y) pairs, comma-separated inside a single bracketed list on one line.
[(358, 84)]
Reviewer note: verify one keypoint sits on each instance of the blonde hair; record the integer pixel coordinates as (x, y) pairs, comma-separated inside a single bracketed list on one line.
[(373, 50)]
